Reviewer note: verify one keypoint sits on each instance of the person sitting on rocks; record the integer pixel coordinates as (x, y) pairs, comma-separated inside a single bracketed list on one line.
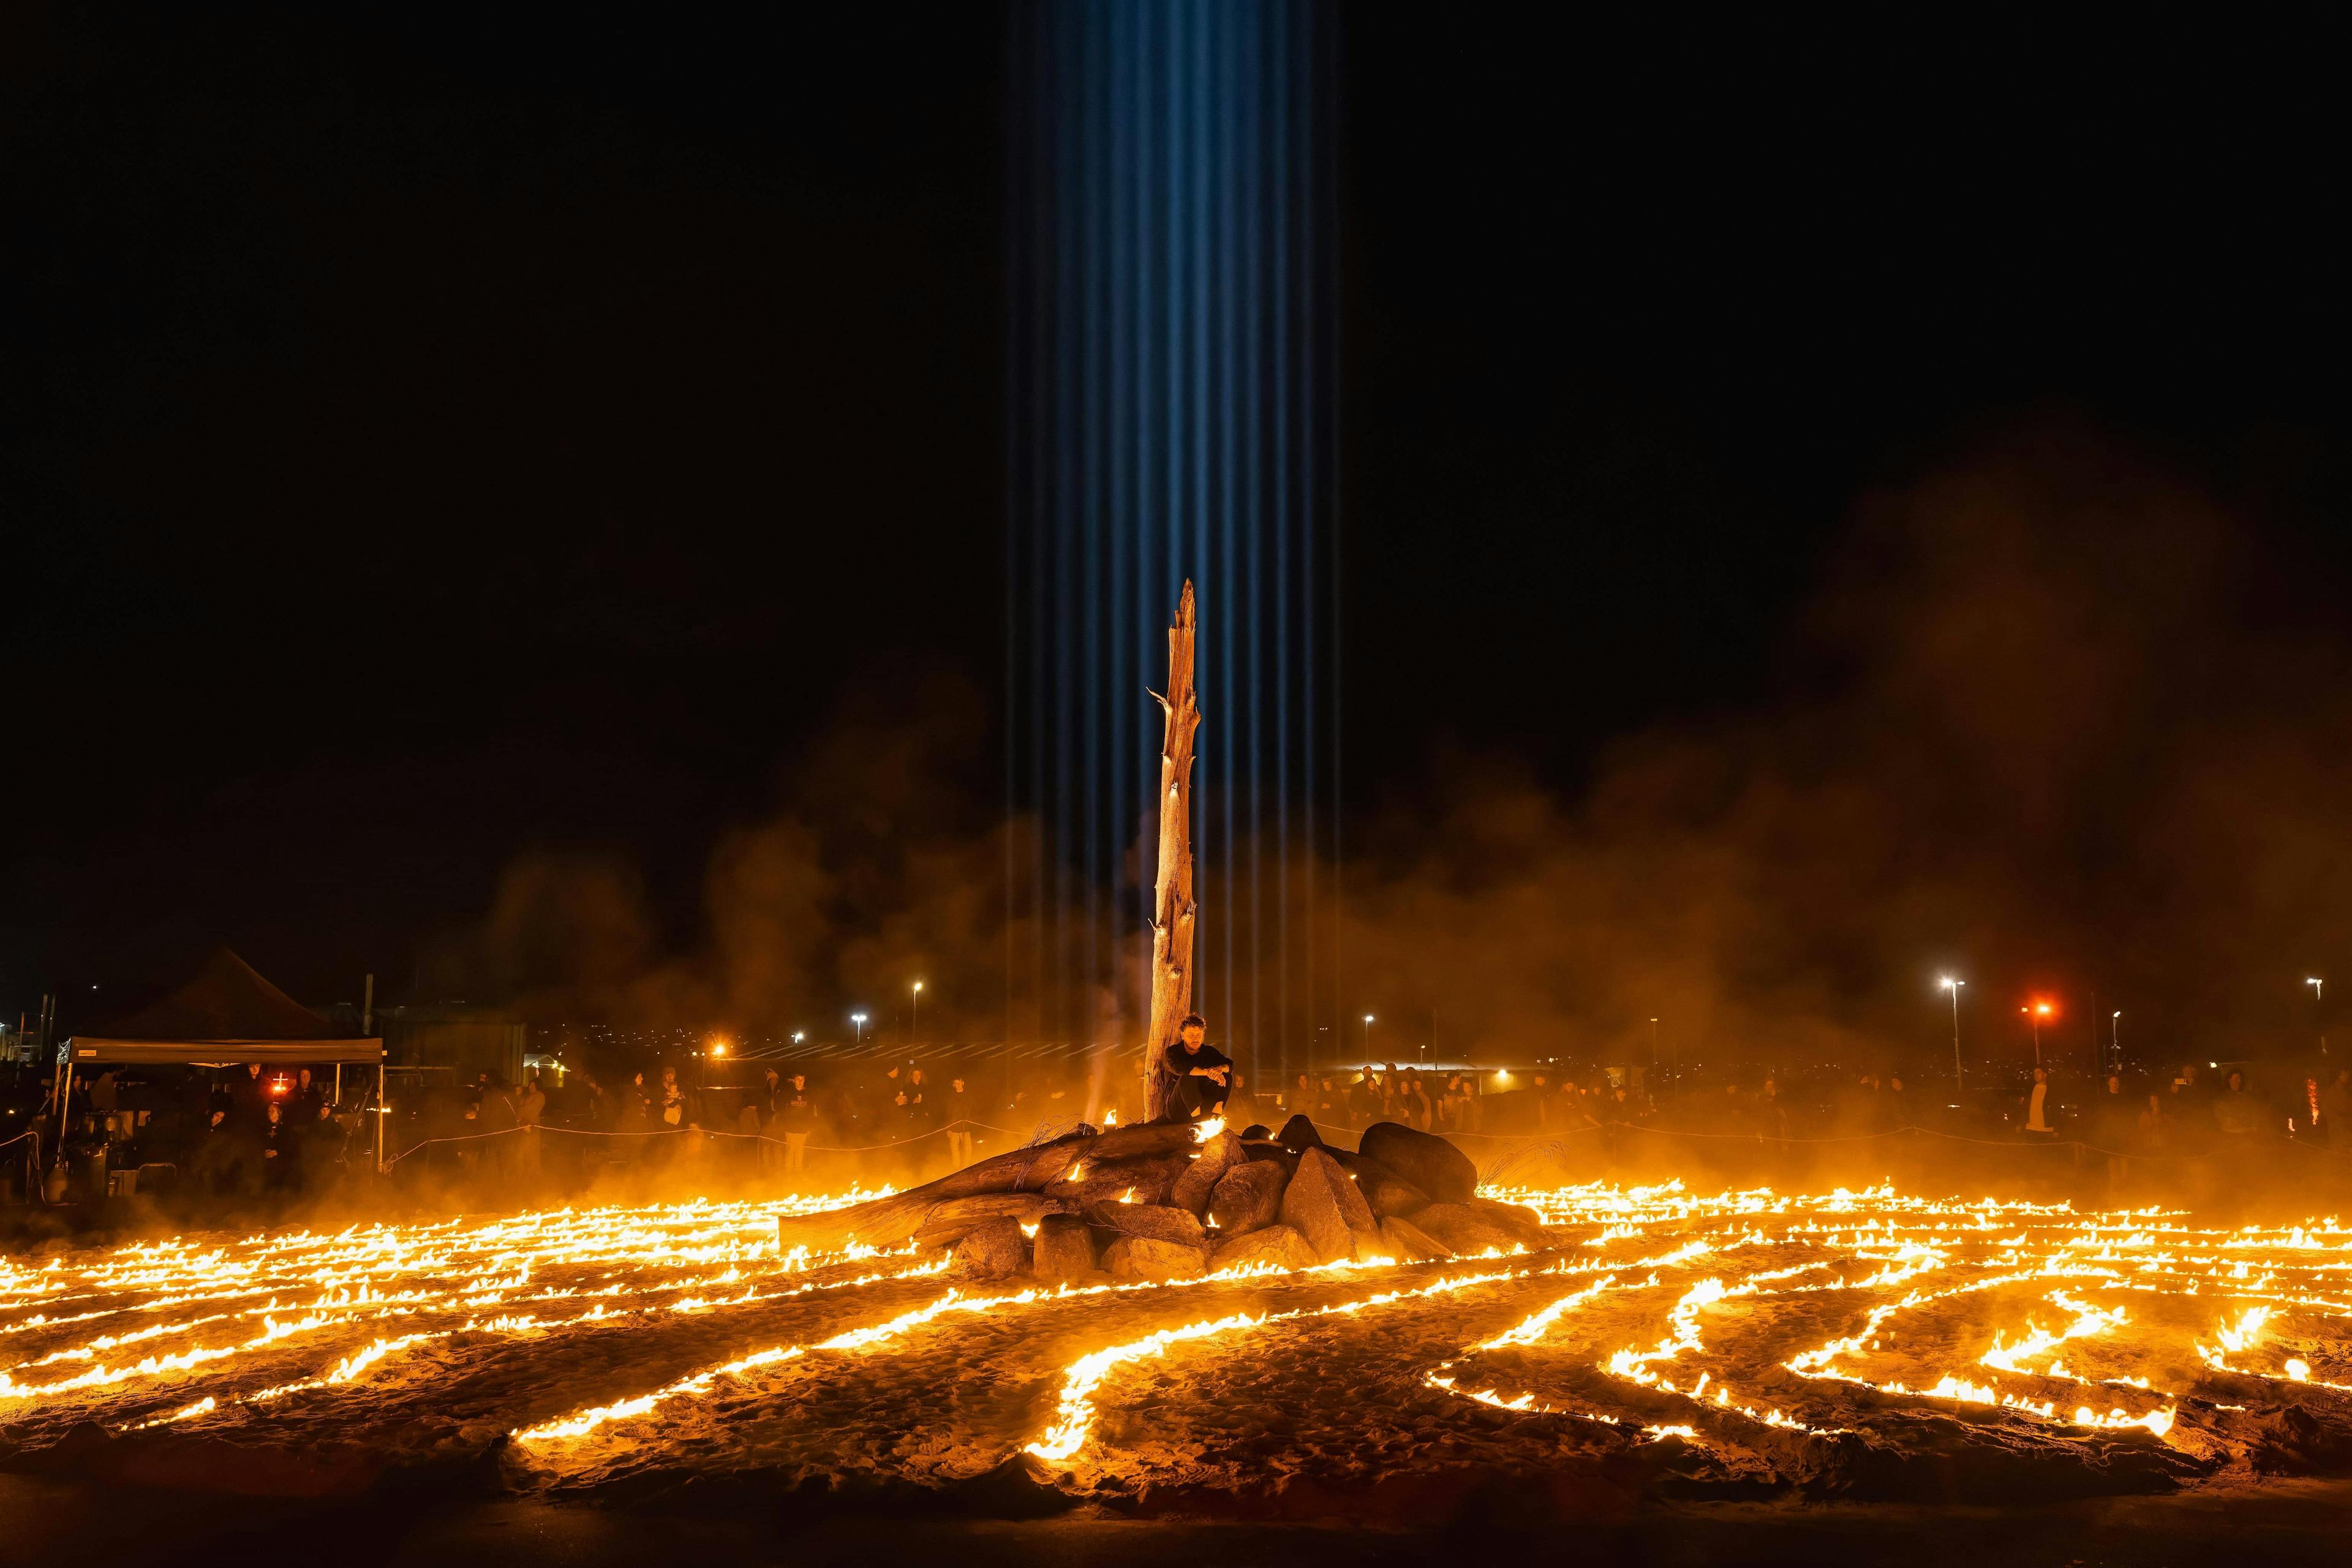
[(1203, 1073)]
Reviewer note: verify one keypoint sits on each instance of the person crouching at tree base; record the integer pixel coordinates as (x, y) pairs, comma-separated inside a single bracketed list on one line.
[(1203, 1073)]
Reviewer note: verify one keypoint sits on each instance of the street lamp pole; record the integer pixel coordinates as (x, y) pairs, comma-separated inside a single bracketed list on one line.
[(1953, 986), (915, 1016), (2116, 1038), (1368, 1040), (857, 1021), (2318, 995)]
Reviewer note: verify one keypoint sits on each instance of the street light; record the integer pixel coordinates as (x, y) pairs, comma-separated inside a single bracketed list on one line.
[(2319, 995), (1953, 986), (2036, 1012), (2116, 1036), (915, 1014), (1367, 1037), (859, 1021)]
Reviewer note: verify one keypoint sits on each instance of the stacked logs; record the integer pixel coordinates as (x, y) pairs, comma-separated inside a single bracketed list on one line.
[(1158, 1203)]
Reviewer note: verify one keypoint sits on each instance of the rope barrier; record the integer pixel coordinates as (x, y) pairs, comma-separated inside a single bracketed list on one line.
[(703, 1131), (1540, 1142)]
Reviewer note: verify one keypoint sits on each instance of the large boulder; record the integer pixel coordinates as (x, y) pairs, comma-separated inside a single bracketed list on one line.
[(1246, 1198), (1146, 1258), (1161, 1222), (995, 1249), (1208, 1166), (1277, 1246), (1386, 1193), (1517, 1214), (1065, 1247), (1404, 1239), (1272, 1154), (1469, 1230), (1297, 1134), (1423, 1159), (1321, 1203), (950, 1221)]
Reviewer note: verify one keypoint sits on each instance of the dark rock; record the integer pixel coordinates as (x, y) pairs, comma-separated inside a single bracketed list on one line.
[(1386, 1193), (1065, 1247), (1199, 1178), (995, 1249), (1321, 1203), (1144, 1257), (1298, 1134), (1423, 1159), (1467, 1230), (1256, 1129), (1272, 1154), (1276, 1245), (1407, 1241), (1246, 1198), (1517, 1214)]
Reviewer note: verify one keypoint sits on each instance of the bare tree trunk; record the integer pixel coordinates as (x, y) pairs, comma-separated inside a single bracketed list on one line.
[(1173, 909)]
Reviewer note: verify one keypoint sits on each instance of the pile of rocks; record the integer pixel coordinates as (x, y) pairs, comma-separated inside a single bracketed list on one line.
[(1241, 1199)]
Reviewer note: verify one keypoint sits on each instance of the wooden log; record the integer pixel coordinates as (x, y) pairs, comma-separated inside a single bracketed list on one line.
[(1172, 909), (889, 1222)]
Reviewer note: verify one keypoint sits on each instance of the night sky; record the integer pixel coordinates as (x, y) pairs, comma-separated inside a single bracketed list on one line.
[(427, 442)]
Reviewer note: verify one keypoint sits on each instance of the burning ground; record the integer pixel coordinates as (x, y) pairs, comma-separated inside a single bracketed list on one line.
[(1660, 1345)]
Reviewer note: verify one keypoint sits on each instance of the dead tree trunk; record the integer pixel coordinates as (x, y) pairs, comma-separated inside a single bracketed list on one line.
[(1173, 909)]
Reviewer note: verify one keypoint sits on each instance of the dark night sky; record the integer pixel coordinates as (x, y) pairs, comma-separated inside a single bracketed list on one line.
[(427, 439)]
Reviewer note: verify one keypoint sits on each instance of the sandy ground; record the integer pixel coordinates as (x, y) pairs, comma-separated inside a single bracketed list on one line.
[(1787, 1379)]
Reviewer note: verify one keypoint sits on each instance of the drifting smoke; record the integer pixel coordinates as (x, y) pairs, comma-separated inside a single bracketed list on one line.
[(2051, 724), (2037, 735), (882, 861)]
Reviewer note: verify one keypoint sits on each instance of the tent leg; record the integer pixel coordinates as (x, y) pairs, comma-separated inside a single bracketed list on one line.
[(339, 1086), (65, 1099), (382, 1110)]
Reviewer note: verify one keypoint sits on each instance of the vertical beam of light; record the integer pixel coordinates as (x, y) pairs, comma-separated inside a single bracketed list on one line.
[(1094, 84), (1280, 395), (1325, 63), (1228, 689), (1066, 523), (1168, 402), (1042, 286), (1305, 261), (1124, 697), (1252, 128)]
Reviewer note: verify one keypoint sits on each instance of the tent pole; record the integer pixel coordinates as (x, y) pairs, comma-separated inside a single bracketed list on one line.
[(64, 1100), (381, 1111), (339, 1086)]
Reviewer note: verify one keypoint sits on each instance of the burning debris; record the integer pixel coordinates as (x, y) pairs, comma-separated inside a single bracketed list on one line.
[(1267, 1314)]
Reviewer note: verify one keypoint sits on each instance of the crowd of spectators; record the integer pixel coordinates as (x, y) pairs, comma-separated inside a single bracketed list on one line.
[(255, 1133)]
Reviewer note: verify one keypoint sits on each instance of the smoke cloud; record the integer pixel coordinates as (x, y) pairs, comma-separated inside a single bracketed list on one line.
[(2056, 722)]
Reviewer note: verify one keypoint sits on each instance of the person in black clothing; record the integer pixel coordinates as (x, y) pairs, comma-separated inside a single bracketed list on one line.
[(281, 1158), (957, 1112), (797, 1114), (302, 1102), (1203, 1073)]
